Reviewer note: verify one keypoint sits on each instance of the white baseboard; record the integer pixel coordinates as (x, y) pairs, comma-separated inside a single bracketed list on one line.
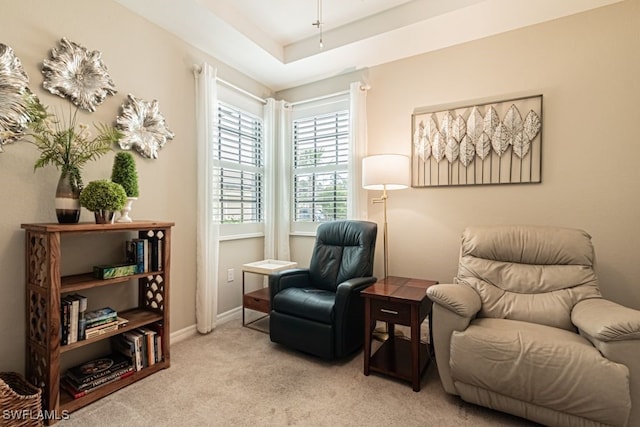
[(183, 334), (189, 331), (227, 316)]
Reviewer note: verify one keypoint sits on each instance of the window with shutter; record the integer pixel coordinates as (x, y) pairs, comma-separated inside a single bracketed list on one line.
[(238, 161), (320, 167)]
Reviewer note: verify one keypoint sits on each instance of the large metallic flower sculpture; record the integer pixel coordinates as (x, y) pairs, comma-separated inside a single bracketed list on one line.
[(77, 74), (143, 127), (14, 97)]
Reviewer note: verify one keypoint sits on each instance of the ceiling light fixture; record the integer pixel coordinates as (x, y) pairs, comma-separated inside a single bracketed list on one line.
[(318, 22)]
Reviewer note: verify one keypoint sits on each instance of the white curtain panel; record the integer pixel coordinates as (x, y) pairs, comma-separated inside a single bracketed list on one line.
[(357, 203), (208, 232), (277, 181)]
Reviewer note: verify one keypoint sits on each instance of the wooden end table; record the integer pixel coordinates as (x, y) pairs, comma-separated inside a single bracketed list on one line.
[(397, 301), (259, 300)]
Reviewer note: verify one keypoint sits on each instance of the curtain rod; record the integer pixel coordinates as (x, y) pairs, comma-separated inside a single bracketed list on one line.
[(244, 92), (197, 69), (319, 98), (331, 95)]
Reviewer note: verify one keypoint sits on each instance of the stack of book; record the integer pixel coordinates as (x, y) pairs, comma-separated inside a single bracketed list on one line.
[(89, 376), (146, 252), (101, 321), (72, 318), (142, 346)]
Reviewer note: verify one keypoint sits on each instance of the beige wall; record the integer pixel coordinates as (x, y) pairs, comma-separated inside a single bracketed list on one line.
[(588, 69), (147, 62), (586, 66)]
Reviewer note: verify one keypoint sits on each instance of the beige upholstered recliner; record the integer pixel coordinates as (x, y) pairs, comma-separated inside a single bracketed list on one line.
[(526, 331)]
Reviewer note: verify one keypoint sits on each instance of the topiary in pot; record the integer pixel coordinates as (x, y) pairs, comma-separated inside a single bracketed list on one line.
[(124, 173), (103, 198)]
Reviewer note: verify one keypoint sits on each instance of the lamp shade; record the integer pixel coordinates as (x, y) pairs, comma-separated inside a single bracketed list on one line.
[(390, 171)]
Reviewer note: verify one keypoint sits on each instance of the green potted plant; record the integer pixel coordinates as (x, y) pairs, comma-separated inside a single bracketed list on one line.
[(68, 145), (124, 173), (103, 198)]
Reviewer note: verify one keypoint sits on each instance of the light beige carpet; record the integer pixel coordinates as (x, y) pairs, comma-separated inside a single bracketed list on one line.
[(235, 376)]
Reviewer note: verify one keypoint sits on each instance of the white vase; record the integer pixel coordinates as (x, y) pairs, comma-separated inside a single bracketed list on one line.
[(124, 213)]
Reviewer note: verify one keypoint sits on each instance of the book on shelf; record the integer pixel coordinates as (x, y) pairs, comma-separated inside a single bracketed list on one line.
[(125, 346), (71, 318), (99, 323), (70, 387), (88, 373), (136, 339), (155, 245), (111, 375), (101, 315), (111, 271), (82, 310), (159, 328), (64, 321), (150, 343), (101, 331), (103, 328), (135, 254)]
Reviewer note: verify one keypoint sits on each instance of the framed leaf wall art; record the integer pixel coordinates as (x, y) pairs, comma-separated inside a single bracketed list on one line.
[(478, 143)]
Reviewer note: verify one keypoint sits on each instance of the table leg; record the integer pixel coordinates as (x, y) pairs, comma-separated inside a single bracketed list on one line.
[(243, 324), (368, 331), (391, 330), (415, 348)]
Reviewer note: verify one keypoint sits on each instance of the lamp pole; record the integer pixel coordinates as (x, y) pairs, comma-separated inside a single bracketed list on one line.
[(383, 199)]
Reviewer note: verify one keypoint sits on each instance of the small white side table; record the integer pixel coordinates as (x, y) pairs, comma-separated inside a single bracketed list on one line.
[(259, 300)]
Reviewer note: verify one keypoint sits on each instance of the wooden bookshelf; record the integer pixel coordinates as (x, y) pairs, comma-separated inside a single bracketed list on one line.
[(45, 287)]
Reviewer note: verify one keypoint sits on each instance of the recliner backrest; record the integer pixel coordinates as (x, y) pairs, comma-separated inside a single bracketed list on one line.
[(343, 250), (528, 273)]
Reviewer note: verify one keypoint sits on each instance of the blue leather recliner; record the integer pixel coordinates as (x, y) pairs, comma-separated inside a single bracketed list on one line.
[(319, 310)]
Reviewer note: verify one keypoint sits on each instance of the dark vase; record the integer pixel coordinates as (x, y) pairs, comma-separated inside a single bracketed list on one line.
[(68, 199), (104, 216)]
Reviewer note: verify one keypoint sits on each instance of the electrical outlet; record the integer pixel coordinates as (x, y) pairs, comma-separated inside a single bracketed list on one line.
[(230, 274)]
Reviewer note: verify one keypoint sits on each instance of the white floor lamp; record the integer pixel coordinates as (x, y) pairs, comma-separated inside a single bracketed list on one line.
[(385, 172)]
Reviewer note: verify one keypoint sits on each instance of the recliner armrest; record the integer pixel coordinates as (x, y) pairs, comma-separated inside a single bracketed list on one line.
[(606, 320), (349, 313), (292, 278), (459, 299), (347, 290), (355, 285)]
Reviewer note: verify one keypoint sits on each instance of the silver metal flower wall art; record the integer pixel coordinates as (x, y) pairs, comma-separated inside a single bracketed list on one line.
[(75, 73), (479, 146), (143, 127), (14, 97)]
